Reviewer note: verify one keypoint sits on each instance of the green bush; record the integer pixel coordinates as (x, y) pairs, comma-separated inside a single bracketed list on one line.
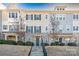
[(62, 44), (7, 42), (57, 44), (11, 42), (45, 44), (28, 43), (54, 43), (20, 43), (2, 42), (72, 44)]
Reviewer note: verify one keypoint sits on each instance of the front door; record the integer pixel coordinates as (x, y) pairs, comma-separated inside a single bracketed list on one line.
[(37, 40), (60, 40)]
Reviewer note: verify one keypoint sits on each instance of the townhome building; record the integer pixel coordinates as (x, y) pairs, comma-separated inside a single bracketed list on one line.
[(35, 25)]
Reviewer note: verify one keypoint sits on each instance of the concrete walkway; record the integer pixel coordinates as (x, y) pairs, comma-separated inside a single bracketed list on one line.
[(37, 51)]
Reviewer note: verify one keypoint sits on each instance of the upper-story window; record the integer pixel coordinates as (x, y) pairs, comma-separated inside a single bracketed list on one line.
[(29, 16), (63, 18), (13, 15), (22, 26), (13, 28), (5, 27), (75, 28), (60, 18), (37, 29), (59, 9), (46, 28), (63, 8), (75, 16), (37, 17), (67, 27), (46, 16), (26, 16), (60, 30), (29, 29)]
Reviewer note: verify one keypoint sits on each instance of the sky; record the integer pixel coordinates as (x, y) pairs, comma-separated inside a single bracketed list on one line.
[(33, 5), (41, 6)]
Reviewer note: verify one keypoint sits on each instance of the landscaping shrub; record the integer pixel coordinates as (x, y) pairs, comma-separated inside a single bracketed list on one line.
[(7, 42), (72, 44), (20, 43), (11, 42), (54, 43), (29, 43), (57, 44), (2, 42), (45, 44), (62, 44)]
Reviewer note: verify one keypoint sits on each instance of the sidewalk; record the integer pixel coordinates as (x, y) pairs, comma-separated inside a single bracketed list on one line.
[(37, 51)]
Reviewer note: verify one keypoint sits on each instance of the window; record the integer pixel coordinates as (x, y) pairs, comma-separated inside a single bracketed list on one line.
[(37, 29), (37, 17), (46, 28), (10, 15), (60, 8), (60, 18), (75, 28), (29, 29), (13, 28), (56, 18), (67, 27), (63, 8), (26, 17), (75, 16), (29, 17), (63, 18), (46, 17), (60, 30), (57, 8), (22, 26), (13, 15), (16, 15), (4, 27)]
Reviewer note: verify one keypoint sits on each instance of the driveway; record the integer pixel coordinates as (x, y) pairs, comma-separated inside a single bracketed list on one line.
[(14, 50), (62, 50)]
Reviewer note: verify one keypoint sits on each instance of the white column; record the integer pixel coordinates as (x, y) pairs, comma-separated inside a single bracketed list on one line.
[(5, 37), (16, 38)]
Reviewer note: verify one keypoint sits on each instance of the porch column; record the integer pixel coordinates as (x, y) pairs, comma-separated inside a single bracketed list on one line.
[(16, 38), (5, 37)]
